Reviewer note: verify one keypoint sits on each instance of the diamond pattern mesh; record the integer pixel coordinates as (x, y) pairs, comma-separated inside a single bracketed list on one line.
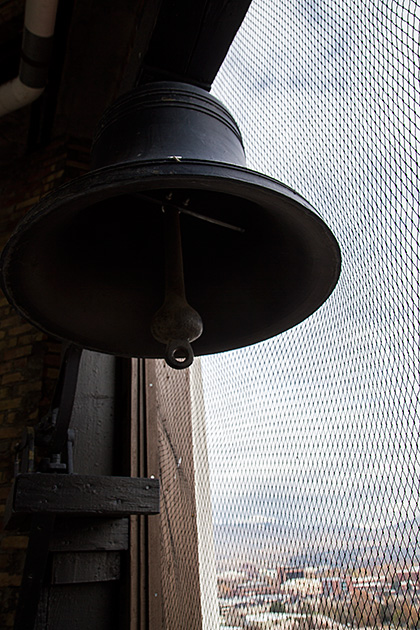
[(313, 436)]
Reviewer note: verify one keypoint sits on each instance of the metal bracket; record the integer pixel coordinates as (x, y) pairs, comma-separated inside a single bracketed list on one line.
[(52, 431)]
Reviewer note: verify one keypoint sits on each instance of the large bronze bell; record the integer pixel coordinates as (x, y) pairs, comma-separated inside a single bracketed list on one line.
[(169, 213)]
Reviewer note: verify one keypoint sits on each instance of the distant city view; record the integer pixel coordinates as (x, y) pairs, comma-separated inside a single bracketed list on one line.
[(314, 436), (277, 572), (307, 597)]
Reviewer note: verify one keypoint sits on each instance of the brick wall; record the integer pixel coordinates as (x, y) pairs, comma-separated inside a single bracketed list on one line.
[(29, 360)]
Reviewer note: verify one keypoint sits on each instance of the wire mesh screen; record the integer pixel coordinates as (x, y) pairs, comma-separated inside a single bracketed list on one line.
[(295, 489), (313, 436)]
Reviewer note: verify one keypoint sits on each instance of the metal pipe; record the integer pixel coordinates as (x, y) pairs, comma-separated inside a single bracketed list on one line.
[(37, 41)]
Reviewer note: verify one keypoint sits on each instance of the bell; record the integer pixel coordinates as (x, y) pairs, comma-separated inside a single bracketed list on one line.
[(170, 239)]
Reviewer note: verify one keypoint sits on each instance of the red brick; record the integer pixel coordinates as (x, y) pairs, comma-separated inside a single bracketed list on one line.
[(10, 403), (15, 377), (4, 493), (52, 373), (6, 367), (14, 542), (23, 328), (32, 386), (28, 202), (28, 339), (29, 368), (19, 364), (53, 360), (15, 353), (53, 176), (9, 620), (14, 320), (10, 580)]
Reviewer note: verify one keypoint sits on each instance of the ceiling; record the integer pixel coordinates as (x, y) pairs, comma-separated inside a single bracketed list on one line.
[(103, 48)]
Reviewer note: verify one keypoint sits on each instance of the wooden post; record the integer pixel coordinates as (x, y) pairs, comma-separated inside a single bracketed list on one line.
[(174, 584), (168, 402)]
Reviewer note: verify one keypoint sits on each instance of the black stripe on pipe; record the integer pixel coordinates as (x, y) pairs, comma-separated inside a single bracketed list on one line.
[(35, 59)]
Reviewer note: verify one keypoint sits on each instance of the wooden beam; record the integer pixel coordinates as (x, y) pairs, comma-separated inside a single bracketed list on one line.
[(34, 571), (90, 534), (45, 493), (82, 567), (191, 39)]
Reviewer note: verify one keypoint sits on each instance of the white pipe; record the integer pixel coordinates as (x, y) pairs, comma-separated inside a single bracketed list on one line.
[(40, 17), (39, 21), (14, 94)]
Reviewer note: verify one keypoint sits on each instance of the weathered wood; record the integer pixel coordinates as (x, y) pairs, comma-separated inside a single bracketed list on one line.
[(169, 409), (93, 606), (45, 493), (151, 529), (93, 416), (134, 450), (90, 534), (85, 566), (34, 571)]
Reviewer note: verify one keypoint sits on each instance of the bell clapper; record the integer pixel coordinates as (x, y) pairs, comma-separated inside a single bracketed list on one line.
[(176, 323)]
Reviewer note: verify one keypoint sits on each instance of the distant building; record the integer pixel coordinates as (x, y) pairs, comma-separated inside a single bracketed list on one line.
[(301, 588), (334, 587), (289, 573)]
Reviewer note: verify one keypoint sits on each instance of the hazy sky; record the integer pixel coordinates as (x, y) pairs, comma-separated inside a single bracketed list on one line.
[(324, 94)]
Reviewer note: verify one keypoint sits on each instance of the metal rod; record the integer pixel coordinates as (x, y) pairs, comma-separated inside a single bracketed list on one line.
[(192, 213), (174, 268)]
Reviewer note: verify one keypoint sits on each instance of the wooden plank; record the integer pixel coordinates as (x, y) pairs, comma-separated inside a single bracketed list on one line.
[(151, 533), (133, 449), (169, 402), (90, 534), (45, 493), (93, 606), (85, 566), (94, 414), (34, 571)]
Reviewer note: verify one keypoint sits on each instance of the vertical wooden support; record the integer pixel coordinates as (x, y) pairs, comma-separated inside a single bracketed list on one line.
[(153, 532), (206, 546), (169, 401), (174, 585), (134, 520), (145, 536)]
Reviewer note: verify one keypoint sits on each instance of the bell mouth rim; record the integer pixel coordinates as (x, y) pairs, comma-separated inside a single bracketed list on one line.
[(132, 177), (192, 173)]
